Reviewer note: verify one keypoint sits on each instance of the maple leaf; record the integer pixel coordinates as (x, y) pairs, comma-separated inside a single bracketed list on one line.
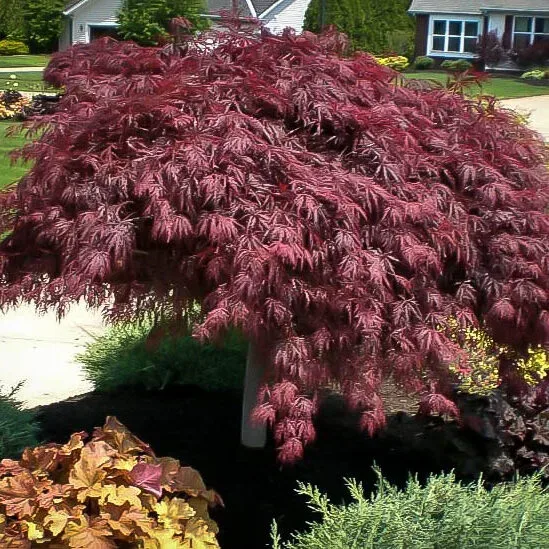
[(119, 436), (133, 521), (10, 467), (188, 480), (119, 495), (51, 494), (84, 533), (164, 539), (198, 536), (172, 511), (170, 468), (200, 506), (75, 443), (56, 520), (89, 471), (41, 459), (125, 463), (10, 542), (148, 477), (18, 494), (34, 531)]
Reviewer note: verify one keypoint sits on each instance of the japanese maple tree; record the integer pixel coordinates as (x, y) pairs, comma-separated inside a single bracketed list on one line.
[(334, 216)]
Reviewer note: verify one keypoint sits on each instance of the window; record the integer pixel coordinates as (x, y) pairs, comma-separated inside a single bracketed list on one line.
[(454, 36), (529, 31)]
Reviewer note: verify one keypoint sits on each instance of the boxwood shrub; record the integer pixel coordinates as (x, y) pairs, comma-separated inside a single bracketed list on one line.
[(423, 63), (457, 65)]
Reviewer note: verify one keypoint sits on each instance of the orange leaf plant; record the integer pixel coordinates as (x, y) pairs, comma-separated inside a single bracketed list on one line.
[(110, 491)]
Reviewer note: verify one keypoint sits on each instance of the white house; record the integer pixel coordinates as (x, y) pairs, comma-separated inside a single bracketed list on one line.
[(86, 20), (450, 28)]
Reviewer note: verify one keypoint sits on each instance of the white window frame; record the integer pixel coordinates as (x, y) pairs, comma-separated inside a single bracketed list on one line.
[(532, 33), (447, 18)]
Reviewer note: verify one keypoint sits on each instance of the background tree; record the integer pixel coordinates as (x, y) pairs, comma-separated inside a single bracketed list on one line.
[(376, 26), (11, 19), (336, 219), (43, 24), (146, 21)]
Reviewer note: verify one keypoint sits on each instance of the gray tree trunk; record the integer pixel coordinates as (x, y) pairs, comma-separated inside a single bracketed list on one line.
[(252, 436)]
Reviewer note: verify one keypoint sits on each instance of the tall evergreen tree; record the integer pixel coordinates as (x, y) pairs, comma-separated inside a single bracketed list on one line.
[(146, 21)]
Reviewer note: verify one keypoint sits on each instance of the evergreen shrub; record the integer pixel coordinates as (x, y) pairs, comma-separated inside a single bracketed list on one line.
[(423, 63), (17, 426), (442, 514), (456, 65), (123, 357)]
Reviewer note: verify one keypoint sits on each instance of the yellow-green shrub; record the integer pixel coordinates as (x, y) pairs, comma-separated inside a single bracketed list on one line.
[(395, 62), (13, 47), (478, 367), (108, 492)]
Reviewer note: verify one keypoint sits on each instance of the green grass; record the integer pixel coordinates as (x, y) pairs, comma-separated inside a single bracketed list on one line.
[(26, 81), (23, 60), (8, 173), (498, 86)]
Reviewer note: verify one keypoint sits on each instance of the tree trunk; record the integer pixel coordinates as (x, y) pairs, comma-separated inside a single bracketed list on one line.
[(252, 436)]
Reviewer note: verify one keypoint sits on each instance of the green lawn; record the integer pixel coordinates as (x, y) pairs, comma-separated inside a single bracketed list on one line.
[(24, 60), (8, 173), (498, 86), (24, 81)]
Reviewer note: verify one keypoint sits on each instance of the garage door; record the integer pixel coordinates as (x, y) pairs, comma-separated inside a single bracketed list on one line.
[(101, 31)]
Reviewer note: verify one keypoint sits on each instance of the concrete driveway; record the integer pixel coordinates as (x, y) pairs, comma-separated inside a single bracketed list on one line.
[(537, 108), (21, 69), (41, 351)]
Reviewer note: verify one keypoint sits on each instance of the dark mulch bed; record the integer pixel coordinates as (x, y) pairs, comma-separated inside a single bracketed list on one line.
[(202, 430)]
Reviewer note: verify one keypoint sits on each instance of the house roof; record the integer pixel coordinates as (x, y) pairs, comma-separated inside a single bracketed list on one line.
[(215, 6), (247, 8), (477, 6), (71, 4)]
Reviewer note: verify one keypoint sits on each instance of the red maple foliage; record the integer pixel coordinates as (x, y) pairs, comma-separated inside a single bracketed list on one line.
[(335, 217)]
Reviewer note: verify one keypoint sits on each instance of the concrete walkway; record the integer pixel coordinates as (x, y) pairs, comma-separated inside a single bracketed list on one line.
[(538, 110), (21, 69), (41, 352)]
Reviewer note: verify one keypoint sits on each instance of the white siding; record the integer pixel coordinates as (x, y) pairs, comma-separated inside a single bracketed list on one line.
[(289, 13), (96, 12), (497, 23)]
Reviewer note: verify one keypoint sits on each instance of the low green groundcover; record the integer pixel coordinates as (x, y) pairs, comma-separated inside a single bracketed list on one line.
[(122, 358), (442, 514)]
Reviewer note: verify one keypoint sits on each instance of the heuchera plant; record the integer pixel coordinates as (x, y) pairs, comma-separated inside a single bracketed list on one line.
[(108, 492), (336, 217)]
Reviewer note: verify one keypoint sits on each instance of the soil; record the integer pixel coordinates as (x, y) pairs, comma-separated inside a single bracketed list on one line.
[(201, 429)]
